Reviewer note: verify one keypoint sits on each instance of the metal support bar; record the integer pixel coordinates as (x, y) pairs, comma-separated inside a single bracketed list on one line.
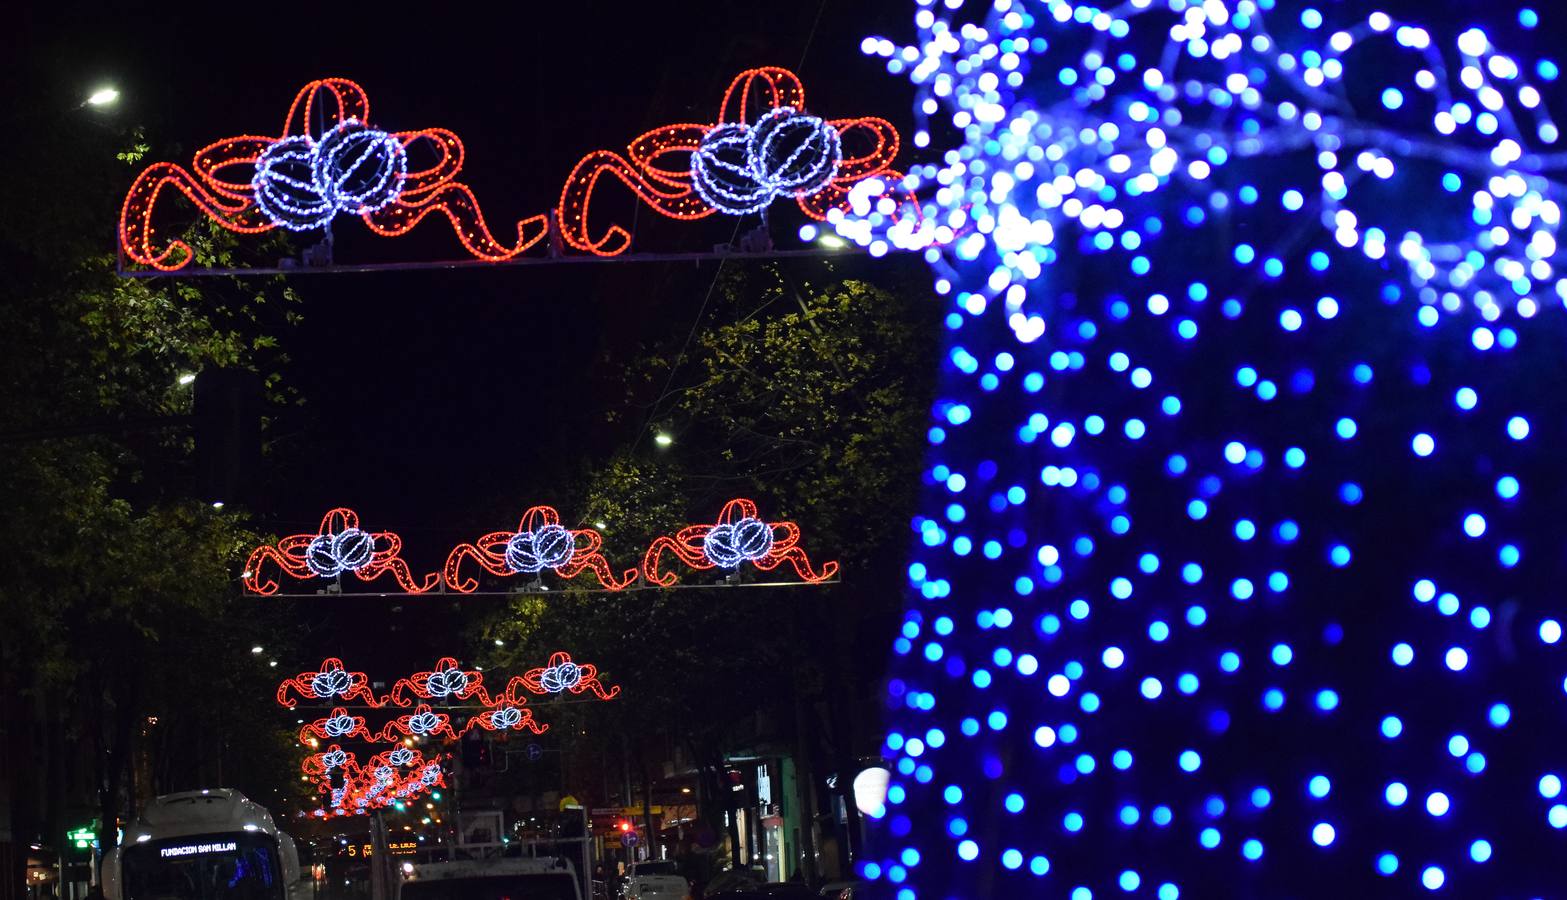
[(723, 585), (332, 269)]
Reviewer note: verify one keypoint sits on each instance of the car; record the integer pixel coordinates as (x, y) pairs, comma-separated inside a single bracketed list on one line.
[(656, 880), (844, 890)]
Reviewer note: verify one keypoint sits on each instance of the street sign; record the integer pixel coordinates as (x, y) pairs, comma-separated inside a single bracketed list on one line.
[(535, 753), (629, 839)]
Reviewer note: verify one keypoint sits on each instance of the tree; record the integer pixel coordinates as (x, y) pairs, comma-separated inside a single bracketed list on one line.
[(118, 590), (798, 395)]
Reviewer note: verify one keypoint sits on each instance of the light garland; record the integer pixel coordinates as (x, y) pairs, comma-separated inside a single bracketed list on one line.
[(301, 184), (539, 543), (1179, 104), (561, 674), (1238, 549), (402, 772), (339, 547), (507, 715), (689, 171), (301, 181), (423, 722), (740, 169), (335, 726), (381, 782), (330, 682), (445, 683), (738, 536)]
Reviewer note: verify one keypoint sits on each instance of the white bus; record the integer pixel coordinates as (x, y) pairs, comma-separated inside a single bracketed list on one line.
[(203, 845)]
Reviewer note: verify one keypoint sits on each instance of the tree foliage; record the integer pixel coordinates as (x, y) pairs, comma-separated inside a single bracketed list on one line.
[(123, 628), (811, 399)]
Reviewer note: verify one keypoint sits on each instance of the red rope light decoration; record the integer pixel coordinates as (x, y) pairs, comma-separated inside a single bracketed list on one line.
[(339, 546), (506, 715), (540, 542), (330, 682), (402, 773), (658, 164), (388, 777), (738, 536), (445, 683), (423, 722), (561, 674), (301, 179), (337, 725)]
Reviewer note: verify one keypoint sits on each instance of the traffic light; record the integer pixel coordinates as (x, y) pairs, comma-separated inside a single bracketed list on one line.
[(624, 825)]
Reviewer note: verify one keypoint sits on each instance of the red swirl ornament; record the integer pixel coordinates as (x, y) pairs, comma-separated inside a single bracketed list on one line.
[(305, 175), (559, 675), (330, 682), (657, 165), (445, 683), (339, 546), (540, 542), (739, 536)]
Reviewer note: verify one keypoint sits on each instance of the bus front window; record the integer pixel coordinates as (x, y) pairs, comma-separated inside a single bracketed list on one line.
[(205, 867)]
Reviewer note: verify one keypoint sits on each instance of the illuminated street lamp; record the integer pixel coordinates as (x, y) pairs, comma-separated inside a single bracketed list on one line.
[(104, 96)]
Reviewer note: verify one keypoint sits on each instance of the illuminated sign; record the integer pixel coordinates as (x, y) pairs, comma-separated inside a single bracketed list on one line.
[(400, 848), (197, 849)]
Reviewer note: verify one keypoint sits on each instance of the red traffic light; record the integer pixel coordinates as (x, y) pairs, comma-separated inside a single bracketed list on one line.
[(623, 825)]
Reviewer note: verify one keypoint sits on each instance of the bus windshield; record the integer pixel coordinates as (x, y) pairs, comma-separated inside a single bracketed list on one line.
[(241, 866)]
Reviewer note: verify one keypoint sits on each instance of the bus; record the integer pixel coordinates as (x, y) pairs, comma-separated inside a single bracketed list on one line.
[(211, 844)]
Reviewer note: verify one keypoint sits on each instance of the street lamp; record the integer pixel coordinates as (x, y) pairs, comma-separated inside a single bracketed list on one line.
[(104, 96), (663, 439), (832, 242)]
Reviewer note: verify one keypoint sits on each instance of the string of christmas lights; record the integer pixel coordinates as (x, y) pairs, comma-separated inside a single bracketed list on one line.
[(402, 772), (763, 146), (447, 681), (309, 174), (339, 547), (383, 781), (738, 537), (540, 543), (1239, 547), (330, 682), (561, 674)]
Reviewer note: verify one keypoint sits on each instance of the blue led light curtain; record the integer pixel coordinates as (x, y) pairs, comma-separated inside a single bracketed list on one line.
[(1241, 558)]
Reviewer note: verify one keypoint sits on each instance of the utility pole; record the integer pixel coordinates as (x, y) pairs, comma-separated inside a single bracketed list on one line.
[(647, 804)]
